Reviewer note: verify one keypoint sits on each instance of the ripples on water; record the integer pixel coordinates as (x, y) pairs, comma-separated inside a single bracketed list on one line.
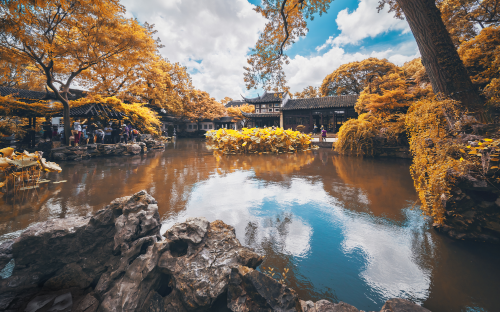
[(344, 226)]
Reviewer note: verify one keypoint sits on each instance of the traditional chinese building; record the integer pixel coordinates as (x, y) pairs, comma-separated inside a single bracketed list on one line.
[(267, 109), (278, 109), (329, 111)]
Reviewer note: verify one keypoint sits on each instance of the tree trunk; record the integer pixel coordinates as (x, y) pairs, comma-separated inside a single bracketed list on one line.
[(67, 123), (440, 58)]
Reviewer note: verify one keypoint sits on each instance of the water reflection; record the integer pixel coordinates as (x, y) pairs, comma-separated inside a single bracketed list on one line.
[(343, 226)]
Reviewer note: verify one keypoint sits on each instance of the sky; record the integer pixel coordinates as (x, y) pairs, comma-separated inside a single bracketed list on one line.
[(213, 39)]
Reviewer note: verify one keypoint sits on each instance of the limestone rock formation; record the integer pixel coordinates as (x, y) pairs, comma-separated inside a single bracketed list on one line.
[(100, 150), (251, 290), (116, 260)]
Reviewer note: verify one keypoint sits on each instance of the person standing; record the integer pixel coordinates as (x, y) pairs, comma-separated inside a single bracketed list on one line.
[(107, 134), (99, 135), (323, 134), (84, 137), (78, 129), (115, 133), (125, 134)]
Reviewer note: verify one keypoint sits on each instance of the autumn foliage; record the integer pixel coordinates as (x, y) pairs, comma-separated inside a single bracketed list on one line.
[(308, 93), (258, 140), (352, 78), (237, 112)]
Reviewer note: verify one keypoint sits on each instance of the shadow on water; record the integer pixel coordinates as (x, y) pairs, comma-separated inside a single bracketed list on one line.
[(343, 226)]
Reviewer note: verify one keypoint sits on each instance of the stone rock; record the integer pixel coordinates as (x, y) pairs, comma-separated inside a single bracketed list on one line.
[(116, 260), (78, 252), (200, 257), (307, 306), (251, 290), (59, 156), (69, 276), (327, 306), (88, 304), (134, 149), (5, 253), (193, 230), (402, 305)]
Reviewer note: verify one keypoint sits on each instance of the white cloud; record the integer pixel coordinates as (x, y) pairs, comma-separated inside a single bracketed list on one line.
[(310, 71), (212, 38), (243, 195), (362, 23)]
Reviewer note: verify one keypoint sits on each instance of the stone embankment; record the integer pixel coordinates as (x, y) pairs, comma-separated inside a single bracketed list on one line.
[(103, 150), (116, 260), (472, 211)]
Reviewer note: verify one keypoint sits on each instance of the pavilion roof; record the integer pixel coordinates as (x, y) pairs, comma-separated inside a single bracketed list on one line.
[(34, 96), (261, 115), (236, 103), (321, 102), (271, 97), (94, 110)]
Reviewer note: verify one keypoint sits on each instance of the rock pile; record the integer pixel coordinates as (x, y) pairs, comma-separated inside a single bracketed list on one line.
[(100, 150), (472, 211), (117, 260)]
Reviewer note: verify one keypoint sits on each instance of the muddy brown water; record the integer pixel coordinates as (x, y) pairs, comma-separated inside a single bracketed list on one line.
[(343, 226)]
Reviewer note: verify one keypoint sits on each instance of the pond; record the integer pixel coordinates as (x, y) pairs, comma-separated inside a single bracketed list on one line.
[(343, 226)]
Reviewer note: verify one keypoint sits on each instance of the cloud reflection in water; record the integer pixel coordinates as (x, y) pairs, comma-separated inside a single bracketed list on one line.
[(272, 214)]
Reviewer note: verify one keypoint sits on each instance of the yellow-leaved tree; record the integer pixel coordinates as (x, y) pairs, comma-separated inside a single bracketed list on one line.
[(202, 106), (236, 112), (18, 72), (308, 93), (226, 100), (352, 78), (64, 38)]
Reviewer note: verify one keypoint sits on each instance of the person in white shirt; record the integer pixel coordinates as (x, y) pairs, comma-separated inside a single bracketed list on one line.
[(107, 134), (78, 128)]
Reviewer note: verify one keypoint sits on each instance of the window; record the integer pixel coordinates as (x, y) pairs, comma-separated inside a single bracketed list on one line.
[(277, 105), (195, 126), (276, 109), (257, 111), (263, 105), (190, 127), (209, 126), (205, 126), (270, 109), (297, 120)]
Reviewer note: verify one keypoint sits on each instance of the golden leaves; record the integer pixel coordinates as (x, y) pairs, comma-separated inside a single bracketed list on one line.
[(352, 78), (258, 140), (236, 112), (308, 92)]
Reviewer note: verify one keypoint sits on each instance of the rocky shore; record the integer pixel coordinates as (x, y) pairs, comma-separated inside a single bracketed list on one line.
[(472, 211), (102, 150), (116, 260)]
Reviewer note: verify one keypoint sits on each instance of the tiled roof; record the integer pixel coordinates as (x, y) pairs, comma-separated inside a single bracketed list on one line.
[(91, 110), (271, 97), (322, 102), (261, 115), (38, 95), (235, 103), (26, 94)]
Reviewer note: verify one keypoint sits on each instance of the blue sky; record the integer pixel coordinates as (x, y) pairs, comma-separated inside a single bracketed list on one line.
[(213, 38)]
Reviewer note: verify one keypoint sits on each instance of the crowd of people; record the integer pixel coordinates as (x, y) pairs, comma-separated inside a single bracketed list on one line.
[(90, 133)]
